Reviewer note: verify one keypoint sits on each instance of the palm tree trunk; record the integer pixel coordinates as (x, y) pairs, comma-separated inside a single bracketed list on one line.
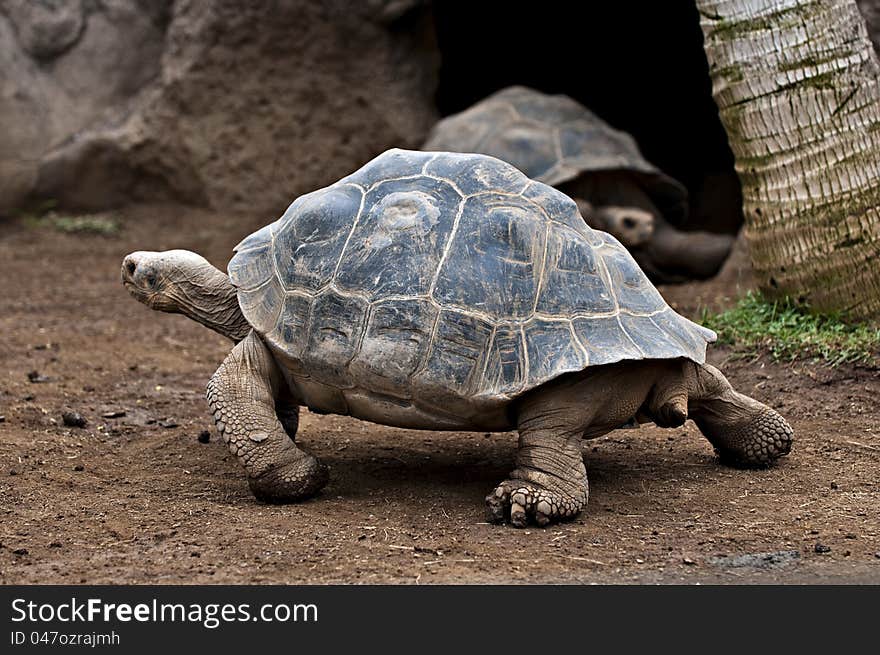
[(797, 83)]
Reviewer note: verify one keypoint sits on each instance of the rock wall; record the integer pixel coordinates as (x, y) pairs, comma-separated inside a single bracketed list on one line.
[(240, 104), (65, 65)]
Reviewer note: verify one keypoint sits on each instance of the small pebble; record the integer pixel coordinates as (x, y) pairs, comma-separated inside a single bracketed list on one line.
[(168, 423), (688, 561), (55, 544), (119, 413), (79, 467), (822, 548), (2, 418), (204, 436), (20, 551), (36, 377), (73, 419), (834, 485)]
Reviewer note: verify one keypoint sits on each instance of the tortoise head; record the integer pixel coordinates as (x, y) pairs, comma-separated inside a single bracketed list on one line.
[(165, 280), (182, 282), (633, 226)]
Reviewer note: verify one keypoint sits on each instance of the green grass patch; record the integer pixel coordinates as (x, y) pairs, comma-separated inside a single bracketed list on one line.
[(789, 331), (102, 224), (90, 224)]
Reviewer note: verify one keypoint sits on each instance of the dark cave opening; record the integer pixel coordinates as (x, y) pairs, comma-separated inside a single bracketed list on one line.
[(640, 66)]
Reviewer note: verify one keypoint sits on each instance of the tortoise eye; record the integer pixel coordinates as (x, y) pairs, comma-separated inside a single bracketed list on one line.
[(150, 279)]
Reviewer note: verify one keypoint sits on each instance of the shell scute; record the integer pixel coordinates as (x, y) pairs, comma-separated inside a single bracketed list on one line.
[(494, 261)]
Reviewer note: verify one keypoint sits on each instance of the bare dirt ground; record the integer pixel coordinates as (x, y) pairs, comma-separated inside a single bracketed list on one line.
[(139, 499)]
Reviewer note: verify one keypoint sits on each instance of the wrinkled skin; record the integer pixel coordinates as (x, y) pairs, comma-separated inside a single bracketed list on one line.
[(255, 411), (614, 203), (549, 482)]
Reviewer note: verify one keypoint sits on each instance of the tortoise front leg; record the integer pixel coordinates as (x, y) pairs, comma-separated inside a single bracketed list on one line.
[(242, 395)]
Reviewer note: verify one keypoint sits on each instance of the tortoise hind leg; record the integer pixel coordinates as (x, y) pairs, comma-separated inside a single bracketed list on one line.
[(744, 431), (549, 482), (242, 397)]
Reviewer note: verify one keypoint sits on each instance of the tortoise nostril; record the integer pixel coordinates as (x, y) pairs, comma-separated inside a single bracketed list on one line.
[(629, 223), (130, 266)]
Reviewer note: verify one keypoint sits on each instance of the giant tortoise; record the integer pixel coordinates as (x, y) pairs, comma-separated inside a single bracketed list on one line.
[(448, 291), (556, 140)]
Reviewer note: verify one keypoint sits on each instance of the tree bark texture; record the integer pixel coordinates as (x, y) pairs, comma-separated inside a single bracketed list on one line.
[(797, 83)]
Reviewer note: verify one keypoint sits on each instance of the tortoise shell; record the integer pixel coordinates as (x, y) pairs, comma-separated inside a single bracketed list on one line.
[(554, 139), (430, 289)]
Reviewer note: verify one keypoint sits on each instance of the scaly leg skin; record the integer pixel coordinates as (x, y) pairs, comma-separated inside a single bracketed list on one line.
[(242, 396), (745, 432), (549, 482)]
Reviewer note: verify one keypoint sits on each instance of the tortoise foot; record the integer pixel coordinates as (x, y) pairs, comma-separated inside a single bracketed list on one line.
[(756, 443), (291, 481), (521, 502)]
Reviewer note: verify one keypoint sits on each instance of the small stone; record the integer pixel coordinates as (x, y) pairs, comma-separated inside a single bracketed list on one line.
[(28, 397), (851, 535), (834, 485), (36, 377), (55, 544), (2, 418), (79, 467), (20, 551), (688, 561), (73, 419), (877, 554), (118, 413), (822, 548), (204, 436), (168, 423)]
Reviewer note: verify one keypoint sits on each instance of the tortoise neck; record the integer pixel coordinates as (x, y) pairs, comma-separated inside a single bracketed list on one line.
[(210, 299)]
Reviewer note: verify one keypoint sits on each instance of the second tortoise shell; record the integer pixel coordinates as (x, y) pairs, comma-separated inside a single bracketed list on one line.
[(554, 139)]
